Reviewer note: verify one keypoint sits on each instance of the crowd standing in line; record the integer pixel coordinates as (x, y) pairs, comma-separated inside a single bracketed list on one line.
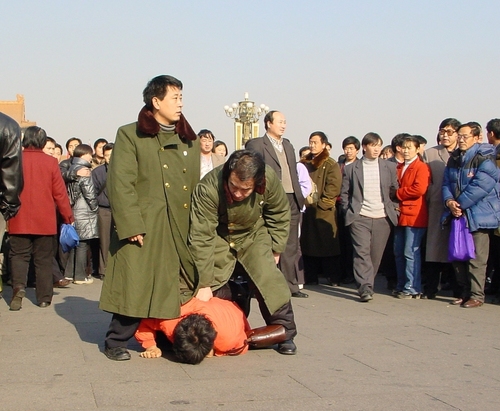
[(169, 246)]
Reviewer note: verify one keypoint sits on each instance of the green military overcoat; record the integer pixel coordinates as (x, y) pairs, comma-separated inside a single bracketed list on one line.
[(150, 181), (247, 231)]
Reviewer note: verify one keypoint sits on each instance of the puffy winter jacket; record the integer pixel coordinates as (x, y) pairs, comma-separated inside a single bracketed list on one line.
[(83, 201), (471, 178)]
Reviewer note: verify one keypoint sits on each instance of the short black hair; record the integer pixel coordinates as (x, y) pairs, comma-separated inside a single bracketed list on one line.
[(34, 137), (412, 139), (321, 135), (474, 126), (351, 140), (303, 149), (371, 138), (59, 147), (99, 141), (51, 140), (493, 126), (220, 143), (422, 140), (269, 117), (157, 87), (81, 150), (397, 140), (107, 147), (206, 133), (194, 337), (452, 122), (247, 165), (73, 139)]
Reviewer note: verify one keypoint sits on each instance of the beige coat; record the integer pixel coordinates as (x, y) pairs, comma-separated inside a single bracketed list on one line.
[(437, 236)]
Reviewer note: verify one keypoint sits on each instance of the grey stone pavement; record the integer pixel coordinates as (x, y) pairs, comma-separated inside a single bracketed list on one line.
[(388, 354)]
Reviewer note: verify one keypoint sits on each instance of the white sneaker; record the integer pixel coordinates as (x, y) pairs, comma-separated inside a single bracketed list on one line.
[(88, 280)]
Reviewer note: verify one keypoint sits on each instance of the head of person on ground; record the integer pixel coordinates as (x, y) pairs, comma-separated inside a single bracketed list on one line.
[(34, 138), (50, 147), (194, 338), (411, 148), (106, 152), (275, 124), (493, 131), (423, 142), (71, 144), (98, 146), (447, 135), (351, 146), (372, 146), (206, 142), (317, 143), (397, 146), (243, 173), (163, 98), (468, 135), (220, 148), (387, 153)]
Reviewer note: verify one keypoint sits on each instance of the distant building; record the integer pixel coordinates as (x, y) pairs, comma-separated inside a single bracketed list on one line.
[(15, 109)]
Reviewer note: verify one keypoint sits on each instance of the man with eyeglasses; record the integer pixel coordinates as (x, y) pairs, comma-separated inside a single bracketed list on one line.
[(470, 189), (436, 256)]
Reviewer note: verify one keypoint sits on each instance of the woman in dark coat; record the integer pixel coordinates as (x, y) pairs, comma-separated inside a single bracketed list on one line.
[(83, 200), (318, 239)]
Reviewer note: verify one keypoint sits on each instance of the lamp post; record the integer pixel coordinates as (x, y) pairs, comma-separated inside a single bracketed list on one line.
[(246, 120)]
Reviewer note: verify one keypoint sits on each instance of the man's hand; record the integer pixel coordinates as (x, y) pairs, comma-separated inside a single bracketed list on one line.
[(83, 172), (204, 294), (454, 207), (276, 258), (137, 238), (151, 352)]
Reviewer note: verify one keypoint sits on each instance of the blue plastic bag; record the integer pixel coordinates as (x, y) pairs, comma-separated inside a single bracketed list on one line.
[(69, 238), (461, 244)]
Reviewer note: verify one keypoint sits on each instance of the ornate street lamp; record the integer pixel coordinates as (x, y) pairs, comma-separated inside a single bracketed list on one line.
[(246, 120)]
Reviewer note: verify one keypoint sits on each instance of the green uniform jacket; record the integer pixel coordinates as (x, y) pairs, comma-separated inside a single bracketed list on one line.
[(247, 231), (150, 181)]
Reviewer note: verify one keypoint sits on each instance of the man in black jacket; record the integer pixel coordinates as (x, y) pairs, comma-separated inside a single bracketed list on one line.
[(279, 153)]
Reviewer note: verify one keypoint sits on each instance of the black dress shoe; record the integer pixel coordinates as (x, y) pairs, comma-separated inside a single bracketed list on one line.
[(44, 304), (117, 353), (287, 347), (300, 294)]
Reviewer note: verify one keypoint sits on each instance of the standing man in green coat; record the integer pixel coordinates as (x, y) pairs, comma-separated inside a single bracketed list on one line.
[(240, 219), (154, 167)]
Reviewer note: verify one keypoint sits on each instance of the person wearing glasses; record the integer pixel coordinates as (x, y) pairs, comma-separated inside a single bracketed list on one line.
[(470, 189), (436, 157)]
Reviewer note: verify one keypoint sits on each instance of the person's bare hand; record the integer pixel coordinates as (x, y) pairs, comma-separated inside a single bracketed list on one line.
[(204, 294), (151, 352), (454, 207), (83, 172), (276, 258), (137, 238)]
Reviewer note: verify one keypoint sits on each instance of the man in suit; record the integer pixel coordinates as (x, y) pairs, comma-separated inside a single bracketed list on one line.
[(279, 154), (367, 188)]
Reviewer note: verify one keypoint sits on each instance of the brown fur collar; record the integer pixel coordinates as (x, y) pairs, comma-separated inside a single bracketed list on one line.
[(147, 124), (318, 161)]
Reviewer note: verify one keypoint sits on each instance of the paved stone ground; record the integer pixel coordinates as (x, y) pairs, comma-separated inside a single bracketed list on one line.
[(385, 355)]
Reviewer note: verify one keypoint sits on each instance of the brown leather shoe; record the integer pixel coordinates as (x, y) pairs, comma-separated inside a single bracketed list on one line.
[(17, 299), (62, 283), (472, 303)]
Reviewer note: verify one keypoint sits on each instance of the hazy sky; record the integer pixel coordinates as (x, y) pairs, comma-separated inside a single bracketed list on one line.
[(343, 67)]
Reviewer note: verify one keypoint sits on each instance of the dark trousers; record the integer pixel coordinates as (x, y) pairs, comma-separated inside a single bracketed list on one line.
[(432, 277), (288, 258), (41, 247), (104, 221), (121, 329), (283, 316), (76, 267), (315, 267), (369, 238), (346, 271)]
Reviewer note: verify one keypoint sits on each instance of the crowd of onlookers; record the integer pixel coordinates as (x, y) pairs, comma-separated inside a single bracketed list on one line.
[(377, 209)]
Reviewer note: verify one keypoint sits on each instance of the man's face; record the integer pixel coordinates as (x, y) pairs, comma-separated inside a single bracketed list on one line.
[(49, 148), (316, 145), (448, 137), (57, 153), (350, 152), (71, 146), (107, 155), (372, 151), (98, 150), (277, 128), (305, 153), (410, 150), (168, 111), (465, 138), (206, 144), (240, 189)]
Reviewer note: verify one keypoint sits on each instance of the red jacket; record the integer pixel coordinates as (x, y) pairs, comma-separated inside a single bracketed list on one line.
[(44, 190), (411, 194)]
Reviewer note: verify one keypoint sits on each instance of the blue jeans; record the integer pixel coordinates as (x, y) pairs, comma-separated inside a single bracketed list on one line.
[(407, 245)]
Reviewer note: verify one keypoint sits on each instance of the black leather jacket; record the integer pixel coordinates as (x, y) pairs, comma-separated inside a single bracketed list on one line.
[(11, 170)]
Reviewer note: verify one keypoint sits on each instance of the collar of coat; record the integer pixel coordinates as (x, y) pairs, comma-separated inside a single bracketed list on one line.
[(319, 160), (147, 124)]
